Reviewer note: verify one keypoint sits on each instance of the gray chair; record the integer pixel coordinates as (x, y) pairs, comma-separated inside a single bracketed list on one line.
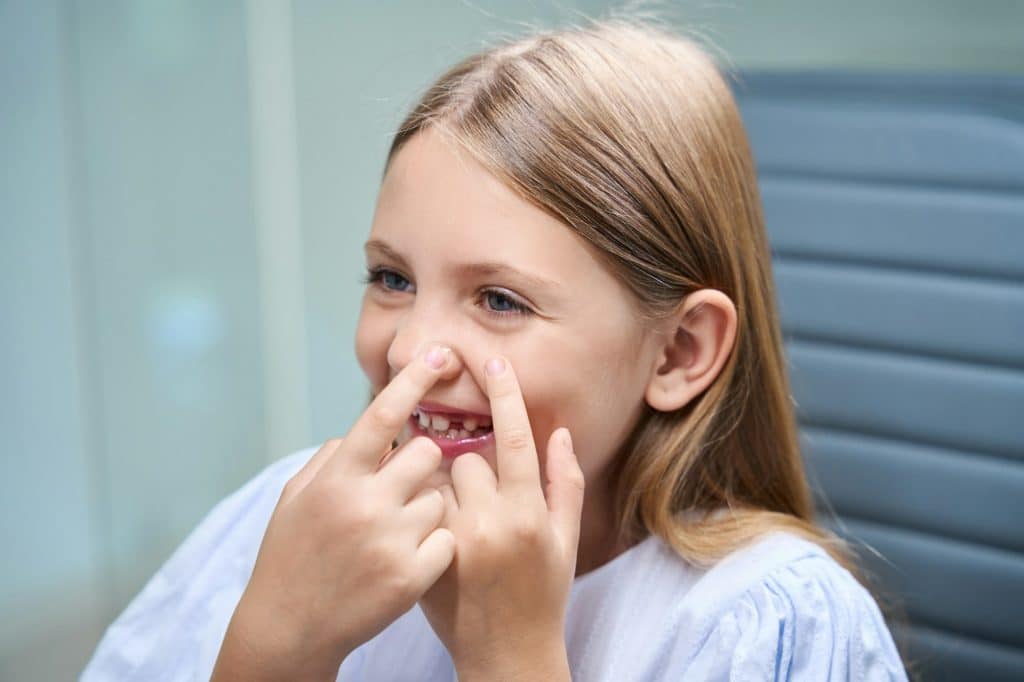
[(895, 208)]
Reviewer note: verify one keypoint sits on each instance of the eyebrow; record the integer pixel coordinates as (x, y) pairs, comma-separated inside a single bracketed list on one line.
[(480, 268)]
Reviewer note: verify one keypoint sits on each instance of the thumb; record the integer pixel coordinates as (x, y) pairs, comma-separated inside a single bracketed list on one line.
[(564, 490)]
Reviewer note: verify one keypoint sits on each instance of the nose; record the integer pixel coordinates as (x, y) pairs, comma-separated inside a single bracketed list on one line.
[(414, 335)]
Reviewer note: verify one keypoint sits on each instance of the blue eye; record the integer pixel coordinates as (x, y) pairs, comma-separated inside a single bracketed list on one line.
[(501, 304), (392, 280), (388, 279), (495, 302)]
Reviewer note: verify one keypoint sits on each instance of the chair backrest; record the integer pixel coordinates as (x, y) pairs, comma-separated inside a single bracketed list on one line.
[(895, 208)]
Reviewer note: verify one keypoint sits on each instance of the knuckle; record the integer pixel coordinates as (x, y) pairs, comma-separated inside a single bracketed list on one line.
[(291, 487), (517, 438), (526, 530), (483, 544), (359, 514), (384, 417), (321, 509)]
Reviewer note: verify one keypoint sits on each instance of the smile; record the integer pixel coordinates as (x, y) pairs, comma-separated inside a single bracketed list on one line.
[(455, 434)]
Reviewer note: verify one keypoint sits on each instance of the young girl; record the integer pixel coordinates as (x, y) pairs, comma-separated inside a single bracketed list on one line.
[(569, 288)]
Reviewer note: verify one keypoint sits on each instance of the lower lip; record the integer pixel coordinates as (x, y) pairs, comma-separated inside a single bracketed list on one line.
[(453, 447)]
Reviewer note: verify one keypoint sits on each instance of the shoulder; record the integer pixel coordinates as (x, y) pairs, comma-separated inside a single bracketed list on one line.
[(782, 608), (174, 626)]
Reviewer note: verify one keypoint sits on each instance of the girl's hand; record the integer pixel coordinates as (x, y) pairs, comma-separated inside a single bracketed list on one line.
[(351, 545), (500, 606)]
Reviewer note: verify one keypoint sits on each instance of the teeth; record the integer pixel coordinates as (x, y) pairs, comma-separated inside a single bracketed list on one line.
[(443, 426)]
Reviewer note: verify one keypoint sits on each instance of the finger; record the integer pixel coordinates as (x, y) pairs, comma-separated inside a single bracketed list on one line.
[(409, 466), (451, 505), (517, 454), (376, 429), (434, 556), (297, 483), (423, 513), (565, 487), (473, 481)]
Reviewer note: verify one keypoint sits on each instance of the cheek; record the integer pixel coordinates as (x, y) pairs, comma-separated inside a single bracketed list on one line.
[(373, 338), (587, 391)]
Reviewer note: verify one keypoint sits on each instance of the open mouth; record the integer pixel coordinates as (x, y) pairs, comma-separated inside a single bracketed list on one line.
[(455, 434)]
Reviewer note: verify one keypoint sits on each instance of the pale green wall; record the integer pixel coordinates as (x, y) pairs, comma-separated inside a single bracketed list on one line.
[(186, 187)]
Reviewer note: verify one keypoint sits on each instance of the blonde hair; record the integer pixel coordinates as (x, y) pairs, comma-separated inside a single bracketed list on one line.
[(629, 135)]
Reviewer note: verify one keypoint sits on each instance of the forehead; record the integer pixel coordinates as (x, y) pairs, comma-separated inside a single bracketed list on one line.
[(436, 195)]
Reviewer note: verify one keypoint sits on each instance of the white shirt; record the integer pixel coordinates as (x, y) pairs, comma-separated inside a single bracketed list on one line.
[(779, 609)]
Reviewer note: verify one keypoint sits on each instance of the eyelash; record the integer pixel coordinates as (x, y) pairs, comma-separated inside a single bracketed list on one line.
[(376, 276)]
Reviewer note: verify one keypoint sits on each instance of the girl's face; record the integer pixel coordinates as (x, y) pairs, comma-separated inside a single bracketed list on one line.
[(459, 259)]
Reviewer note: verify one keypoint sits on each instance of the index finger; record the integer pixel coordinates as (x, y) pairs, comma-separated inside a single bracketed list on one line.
[(517, 453), (378, 426)]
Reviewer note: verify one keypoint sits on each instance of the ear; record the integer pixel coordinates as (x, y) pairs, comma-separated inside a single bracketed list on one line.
[(695, 345)]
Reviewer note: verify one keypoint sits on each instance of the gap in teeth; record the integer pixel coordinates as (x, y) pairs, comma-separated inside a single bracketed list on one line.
[(456, 433), (441, 426)]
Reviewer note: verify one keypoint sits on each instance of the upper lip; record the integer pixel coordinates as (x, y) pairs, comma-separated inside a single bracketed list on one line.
[(441, 408)]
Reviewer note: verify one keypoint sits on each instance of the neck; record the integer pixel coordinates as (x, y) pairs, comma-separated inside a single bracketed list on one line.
[(599, 543)]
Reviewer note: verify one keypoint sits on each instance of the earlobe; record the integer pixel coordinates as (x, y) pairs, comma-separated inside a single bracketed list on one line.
[(698, 340)]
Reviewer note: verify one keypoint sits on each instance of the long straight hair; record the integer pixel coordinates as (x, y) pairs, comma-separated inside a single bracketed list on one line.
[(629, 135)]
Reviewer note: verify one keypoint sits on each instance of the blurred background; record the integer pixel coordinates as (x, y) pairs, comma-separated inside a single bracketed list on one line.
[(186, 188)]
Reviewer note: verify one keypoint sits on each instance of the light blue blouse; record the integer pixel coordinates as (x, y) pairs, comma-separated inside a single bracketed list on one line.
[(779, 609)]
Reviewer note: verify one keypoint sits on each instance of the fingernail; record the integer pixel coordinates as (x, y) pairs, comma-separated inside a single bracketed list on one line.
[(437, 356), (495, 366)]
